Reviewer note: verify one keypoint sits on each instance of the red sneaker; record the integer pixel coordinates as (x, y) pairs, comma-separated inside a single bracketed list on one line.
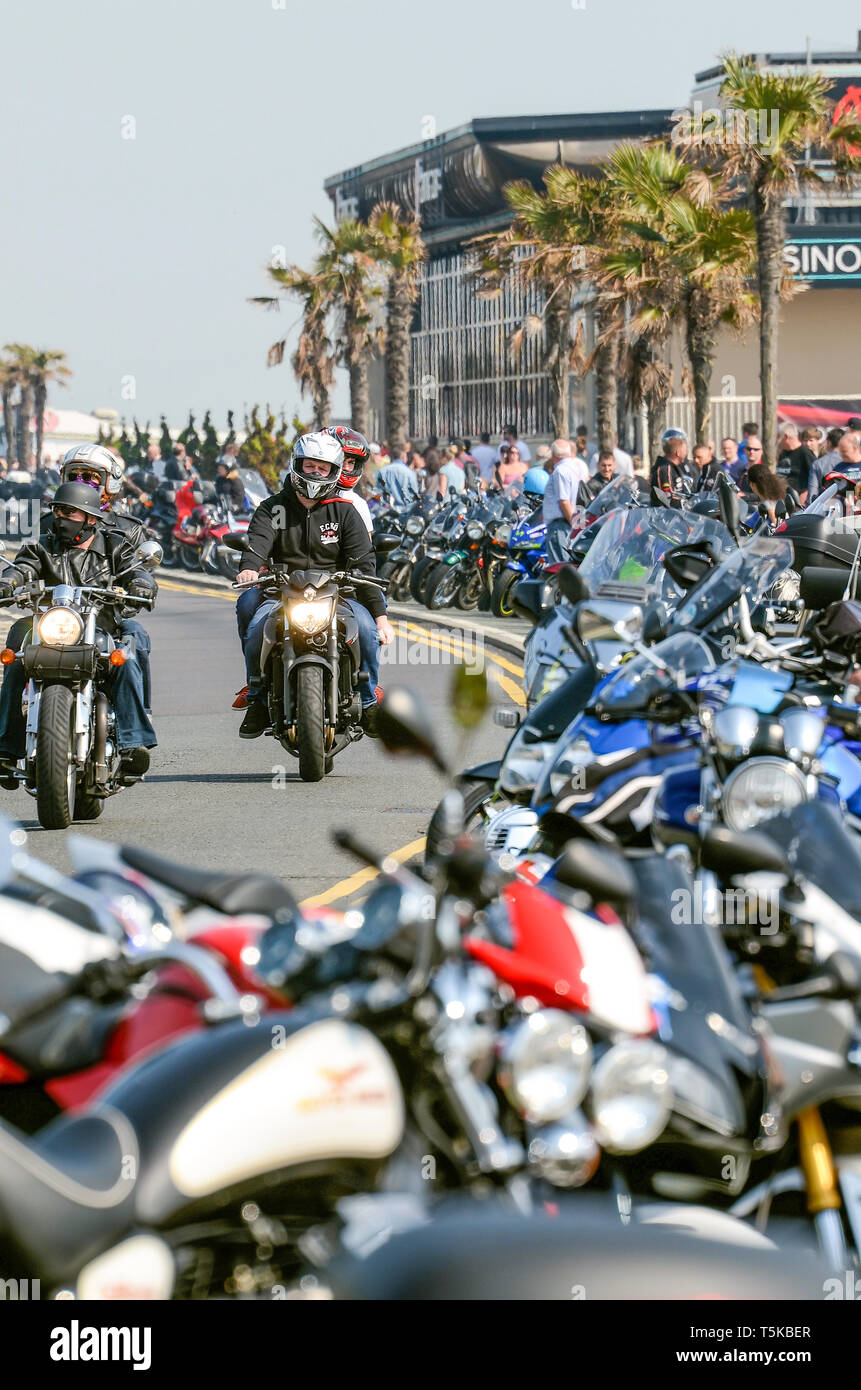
[(241, 701), (378, 691)]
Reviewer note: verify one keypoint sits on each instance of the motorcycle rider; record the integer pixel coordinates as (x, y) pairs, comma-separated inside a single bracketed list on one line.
[(307, 525), (534, 487), (671, 472), (357, 451), (79, 548), (102, 469)]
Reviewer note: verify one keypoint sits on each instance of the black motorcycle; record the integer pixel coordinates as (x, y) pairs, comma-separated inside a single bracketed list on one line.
[(310, 662)]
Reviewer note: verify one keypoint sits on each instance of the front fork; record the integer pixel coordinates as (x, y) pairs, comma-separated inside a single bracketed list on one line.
[(821, 1186)]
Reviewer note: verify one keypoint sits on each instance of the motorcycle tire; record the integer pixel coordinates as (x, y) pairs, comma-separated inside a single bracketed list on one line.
[(311, 723), (422, 571), (55, 767), (475, 797), (211, 566), (442, 588), (500, 602), (189, 558), (470, 593), (394, 573)]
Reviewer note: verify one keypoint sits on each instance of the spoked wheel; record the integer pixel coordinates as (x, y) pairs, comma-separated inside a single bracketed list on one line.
[(55, 763), (502, 591), (396, 573), (470, 593), (311, 723), (442, 587), (422, 571), (210, 565)]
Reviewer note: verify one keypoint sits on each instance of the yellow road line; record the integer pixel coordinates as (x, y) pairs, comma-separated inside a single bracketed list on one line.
[(230, 597), (498, 660), (351, 885)]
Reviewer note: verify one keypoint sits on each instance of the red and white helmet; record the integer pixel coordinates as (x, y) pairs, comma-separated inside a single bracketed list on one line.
[(356, 449), (315, 465)]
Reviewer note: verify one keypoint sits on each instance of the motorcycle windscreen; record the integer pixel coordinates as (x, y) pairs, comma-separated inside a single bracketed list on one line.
[(820, 848)]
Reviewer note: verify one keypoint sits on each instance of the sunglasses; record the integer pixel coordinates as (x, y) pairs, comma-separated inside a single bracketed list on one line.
[(754, 450), (85, 475)]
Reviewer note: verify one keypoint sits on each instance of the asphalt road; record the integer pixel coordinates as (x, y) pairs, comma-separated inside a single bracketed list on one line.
[(212, 799)]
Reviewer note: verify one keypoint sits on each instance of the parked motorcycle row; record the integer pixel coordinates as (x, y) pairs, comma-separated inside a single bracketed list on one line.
[(191, 523), (605, 1037)]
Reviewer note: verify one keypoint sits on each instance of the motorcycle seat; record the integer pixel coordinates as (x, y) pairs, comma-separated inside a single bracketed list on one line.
[(67, 1194), (230, 893)]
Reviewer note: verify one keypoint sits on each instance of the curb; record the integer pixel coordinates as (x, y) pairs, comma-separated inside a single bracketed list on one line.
[(497, 637)]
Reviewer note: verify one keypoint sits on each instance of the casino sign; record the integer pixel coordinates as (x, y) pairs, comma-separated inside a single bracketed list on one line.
[(826, 260)]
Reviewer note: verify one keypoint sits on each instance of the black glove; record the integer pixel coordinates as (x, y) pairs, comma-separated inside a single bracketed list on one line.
[(7, 589), (140, 590)]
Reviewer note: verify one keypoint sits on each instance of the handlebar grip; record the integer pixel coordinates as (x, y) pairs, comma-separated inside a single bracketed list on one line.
[(345, 839)]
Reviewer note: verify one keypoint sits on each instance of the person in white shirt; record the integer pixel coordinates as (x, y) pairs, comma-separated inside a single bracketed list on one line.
[(624, 463), (560, 497), (509, 437)]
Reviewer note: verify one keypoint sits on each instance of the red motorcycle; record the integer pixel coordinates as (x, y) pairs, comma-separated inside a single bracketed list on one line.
[(201, 526), (59, 1048)]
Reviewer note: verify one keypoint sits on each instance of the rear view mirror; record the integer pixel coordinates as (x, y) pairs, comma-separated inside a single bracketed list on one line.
[(821, 586), (404, 725), (687, 564), (655, 625), (236, 540), (728, 505), (572, 585), (149, 554), (730, 852), (598, 870)]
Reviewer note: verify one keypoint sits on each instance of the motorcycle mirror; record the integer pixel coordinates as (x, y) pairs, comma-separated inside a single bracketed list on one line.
[(732, 852), (845, 974), (655, 625), (728, 505), (236, 540), (821, 586), (572, 585), (149, 554), (792, 501), (469, 696), (687, 564), (601, 872), (404, 726), (780, 508)]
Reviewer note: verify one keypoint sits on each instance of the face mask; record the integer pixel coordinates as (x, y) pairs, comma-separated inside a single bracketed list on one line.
[(72, 531)]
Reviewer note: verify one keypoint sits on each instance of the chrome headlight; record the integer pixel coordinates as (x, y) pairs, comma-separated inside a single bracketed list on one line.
[(415, 526), (60, 627), (573, 760), (735, 727), (631, 1096), (503, 533), (475, 530), (759, 789), (310, 617), (522, 764), (545, 1065)]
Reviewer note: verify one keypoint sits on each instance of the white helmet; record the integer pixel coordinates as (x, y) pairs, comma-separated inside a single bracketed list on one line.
[(312, 454), (94, 459)]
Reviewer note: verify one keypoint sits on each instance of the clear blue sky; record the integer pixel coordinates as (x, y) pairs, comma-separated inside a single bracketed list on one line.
[(137, 255)]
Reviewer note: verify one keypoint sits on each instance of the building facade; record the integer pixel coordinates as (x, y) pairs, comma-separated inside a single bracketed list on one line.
[(464, 378)]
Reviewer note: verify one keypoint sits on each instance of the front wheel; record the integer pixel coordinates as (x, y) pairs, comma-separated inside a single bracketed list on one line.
[(190, 557), (470, 592), (311, 723), (442, 587), (422, 571), (502, 590), (55, 763), (476, 797)]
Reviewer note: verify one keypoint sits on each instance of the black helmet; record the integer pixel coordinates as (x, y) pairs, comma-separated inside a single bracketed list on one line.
[(79, 497)]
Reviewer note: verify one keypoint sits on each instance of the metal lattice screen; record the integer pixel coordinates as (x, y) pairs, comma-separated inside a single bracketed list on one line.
[(463, 376)]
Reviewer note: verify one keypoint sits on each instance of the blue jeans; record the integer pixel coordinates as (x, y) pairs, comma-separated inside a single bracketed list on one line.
[(369, 647), (126, 690), (246, 606), (130, 627), (557, 540)]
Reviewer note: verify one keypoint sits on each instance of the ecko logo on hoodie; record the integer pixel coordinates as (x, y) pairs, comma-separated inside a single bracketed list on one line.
[(329, 532)]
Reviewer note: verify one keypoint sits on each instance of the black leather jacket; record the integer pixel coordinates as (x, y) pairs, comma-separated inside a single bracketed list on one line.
[(110, 560)]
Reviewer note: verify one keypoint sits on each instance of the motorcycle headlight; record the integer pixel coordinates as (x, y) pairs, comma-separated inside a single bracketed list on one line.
[(60, 627), (573, 759), (522, 764), (415, 526), (503, 533), (759, 789), (631, 1096), (475, 530), (545, 1065), (310, 617)]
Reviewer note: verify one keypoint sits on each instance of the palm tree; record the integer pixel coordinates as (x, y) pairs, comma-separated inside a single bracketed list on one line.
[(347, 267), (23, 360), (765, 148), (9, 383), (401, 250), (47, 366), (313, 361)]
